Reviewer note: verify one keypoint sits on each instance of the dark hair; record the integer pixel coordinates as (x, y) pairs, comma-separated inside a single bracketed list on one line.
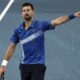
[(28, 4)]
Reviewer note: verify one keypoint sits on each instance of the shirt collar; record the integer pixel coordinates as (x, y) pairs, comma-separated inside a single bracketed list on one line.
[(23, 24)]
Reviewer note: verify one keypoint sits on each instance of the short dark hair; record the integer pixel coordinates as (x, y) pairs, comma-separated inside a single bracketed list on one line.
[(28, 4)]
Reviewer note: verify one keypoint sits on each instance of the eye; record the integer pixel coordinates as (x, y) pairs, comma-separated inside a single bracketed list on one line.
[(28, 9), (23, 10)]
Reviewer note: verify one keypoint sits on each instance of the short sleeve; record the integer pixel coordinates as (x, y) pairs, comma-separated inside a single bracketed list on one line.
[(14, 38), (45, 25)]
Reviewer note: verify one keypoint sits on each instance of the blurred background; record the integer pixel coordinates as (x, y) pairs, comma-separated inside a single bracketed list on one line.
[(62, 45)]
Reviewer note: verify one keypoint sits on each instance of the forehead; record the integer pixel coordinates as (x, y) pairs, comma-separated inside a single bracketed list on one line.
[(26, 7)]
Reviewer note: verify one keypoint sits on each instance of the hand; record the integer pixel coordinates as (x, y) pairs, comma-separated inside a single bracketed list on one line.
[(77, 14), (2, 70)]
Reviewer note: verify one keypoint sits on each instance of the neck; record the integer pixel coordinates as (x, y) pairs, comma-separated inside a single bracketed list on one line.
[(27, 24)]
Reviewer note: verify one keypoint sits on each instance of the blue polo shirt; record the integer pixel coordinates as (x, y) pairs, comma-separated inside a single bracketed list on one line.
[(32, 41)]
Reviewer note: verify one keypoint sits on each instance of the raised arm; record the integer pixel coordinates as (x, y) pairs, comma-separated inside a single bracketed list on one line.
[(64, 19)]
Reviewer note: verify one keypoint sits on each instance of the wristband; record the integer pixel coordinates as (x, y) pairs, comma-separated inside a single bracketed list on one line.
[(4, 63), (72, 17)]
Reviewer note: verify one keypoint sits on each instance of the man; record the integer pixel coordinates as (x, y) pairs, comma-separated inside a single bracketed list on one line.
[(31, 36)]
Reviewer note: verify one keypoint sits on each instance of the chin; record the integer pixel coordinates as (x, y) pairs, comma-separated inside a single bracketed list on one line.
[(28, 18)]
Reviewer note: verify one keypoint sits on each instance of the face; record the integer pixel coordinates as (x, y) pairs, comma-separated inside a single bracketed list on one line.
[(27, 13)]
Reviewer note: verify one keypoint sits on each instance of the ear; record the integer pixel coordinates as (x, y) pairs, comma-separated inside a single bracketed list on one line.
[(33, 13), (21, 14)]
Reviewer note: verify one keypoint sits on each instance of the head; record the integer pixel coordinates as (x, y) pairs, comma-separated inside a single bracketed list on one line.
[(27, 11)]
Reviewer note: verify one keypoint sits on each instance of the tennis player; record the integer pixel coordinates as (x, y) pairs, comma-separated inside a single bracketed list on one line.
[(30, 34)]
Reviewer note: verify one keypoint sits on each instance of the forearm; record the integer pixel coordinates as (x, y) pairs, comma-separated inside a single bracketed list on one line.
[(8, 54), (9, 51), (62, 20)]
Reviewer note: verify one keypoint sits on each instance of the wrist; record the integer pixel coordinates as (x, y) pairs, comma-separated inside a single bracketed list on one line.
[(72, 16), (4, 63)]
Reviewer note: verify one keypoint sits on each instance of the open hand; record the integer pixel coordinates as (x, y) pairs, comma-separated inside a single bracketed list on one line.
[(77, 14)]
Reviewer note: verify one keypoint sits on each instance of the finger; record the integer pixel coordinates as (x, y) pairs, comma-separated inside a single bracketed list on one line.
[(2, 73)]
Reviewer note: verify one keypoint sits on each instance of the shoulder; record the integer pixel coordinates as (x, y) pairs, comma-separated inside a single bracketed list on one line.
[(18, 28), (41, 22)]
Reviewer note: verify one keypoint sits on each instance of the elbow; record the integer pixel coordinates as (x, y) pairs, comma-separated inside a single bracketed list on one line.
[(55, 23)]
